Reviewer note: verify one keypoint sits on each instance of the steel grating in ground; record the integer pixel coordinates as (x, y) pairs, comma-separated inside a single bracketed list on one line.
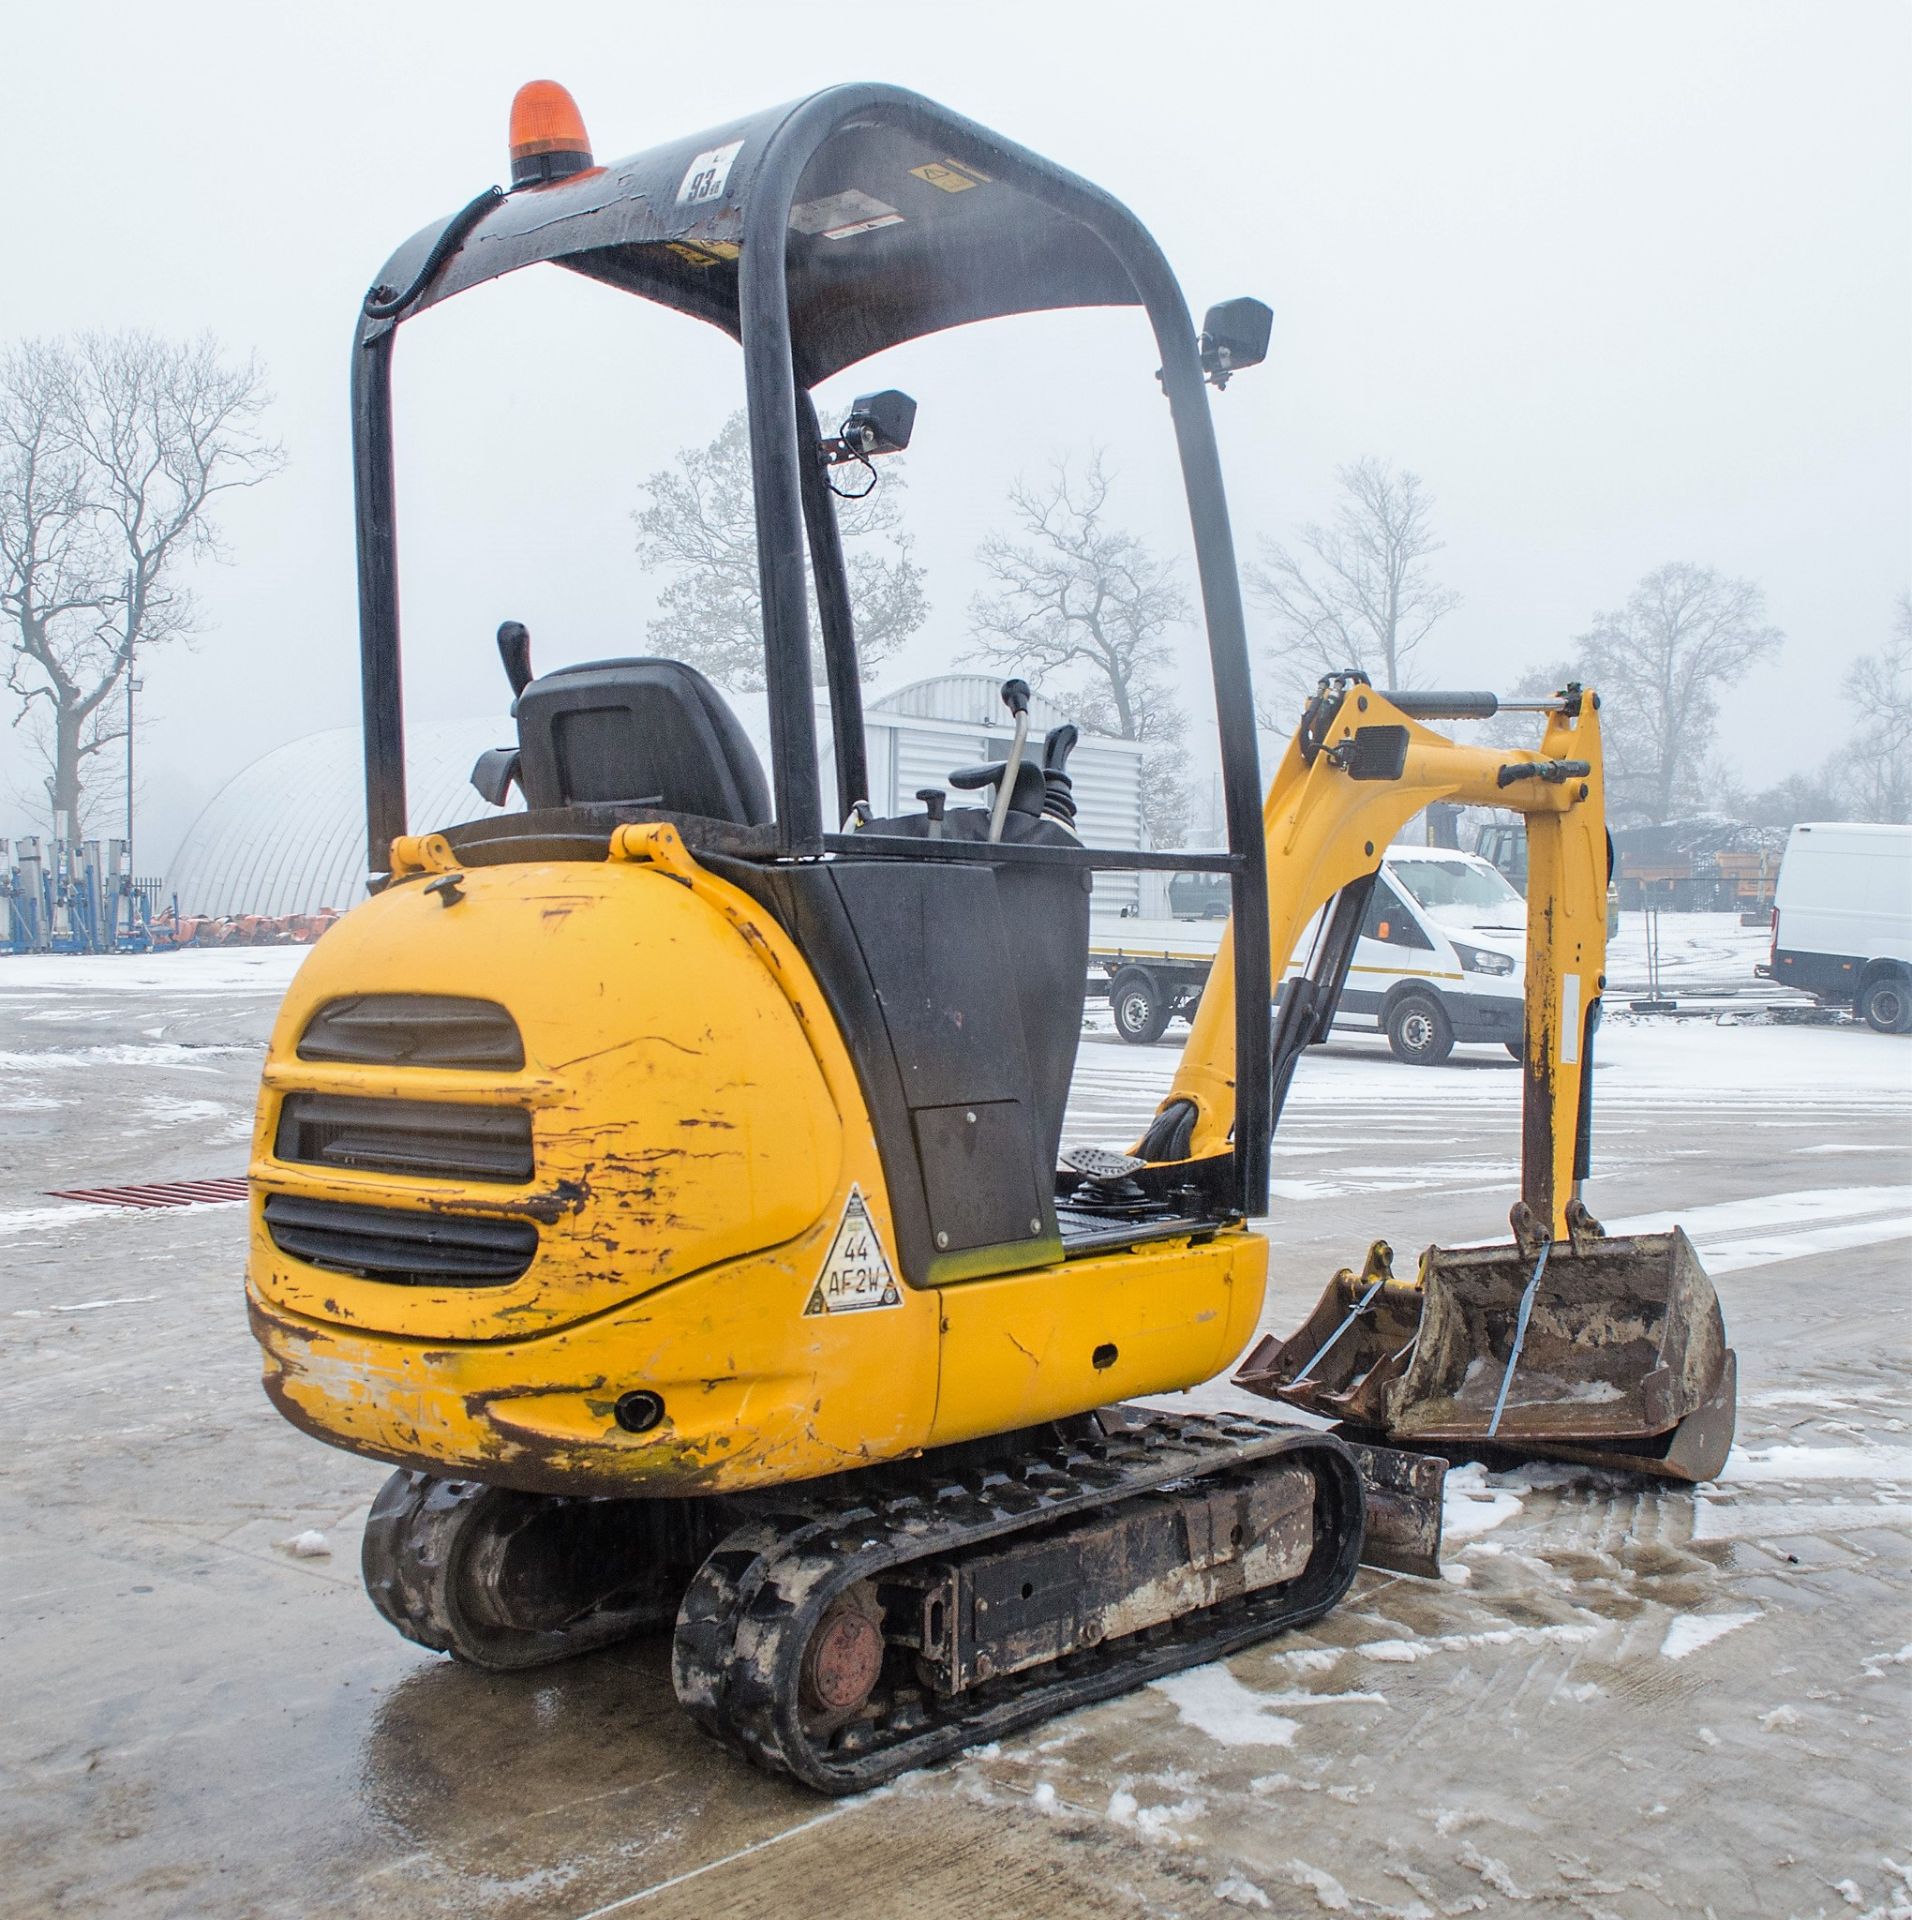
[(160, 1193)]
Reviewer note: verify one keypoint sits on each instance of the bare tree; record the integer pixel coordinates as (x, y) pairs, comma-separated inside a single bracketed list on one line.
[(699, 525), (1820, 795), (1879, 754), (113, 448), (1360, 592), (1660, 664), (1083, 605)]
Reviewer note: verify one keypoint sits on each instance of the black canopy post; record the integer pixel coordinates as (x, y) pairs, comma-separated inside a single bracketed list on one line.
[(837, 618), (380, 680), (771, 394), (1234, 718)]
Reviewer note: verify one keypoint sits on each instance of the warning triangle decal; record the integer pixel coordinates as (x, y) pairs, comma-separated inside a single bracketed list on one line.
[(856, 1272)]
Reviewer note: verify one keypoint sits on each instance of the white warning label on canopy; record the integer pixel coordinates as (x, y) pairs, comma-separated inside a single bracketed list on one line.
[(856, 1271)]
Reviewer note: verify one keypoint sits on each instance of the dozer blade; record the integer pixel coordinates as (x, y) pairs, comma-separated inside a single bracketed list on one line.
[(1403, 1495), (1577, 1344)]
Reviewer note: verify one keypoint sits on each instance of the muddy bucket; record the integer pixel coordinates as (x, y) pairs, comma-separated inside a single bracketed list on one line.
[(1587, 1349), (1348, 1351)]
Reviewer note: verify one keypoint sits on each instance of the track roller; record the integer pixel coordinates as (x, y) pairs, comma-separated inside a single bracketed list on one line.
[(884, 1627)]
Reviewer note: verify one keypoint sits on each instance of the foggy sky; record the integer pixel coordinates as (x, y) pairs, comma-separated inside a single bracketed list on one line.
[(1624, 284)]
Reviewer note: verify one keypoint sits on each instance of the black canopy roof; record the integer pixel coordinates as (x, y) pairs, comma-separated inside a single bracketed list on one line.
[(903, 219)]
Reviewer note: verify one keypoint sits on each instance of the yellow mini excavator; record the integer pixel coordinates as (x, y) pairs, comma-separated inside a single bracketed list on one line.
[(670, 1187)]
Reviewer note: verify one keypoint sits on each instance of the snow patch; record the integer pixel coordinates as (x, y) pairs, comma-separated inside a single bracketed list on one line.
[(1471, 1505), (309, 1545), (1692, 1631), (1405, 1651), (1493, 1871), (1329, 1893), (1241, 1893), (1891, 1465), (1779, 1719), (1313, 1659), (1214, 1702), (88, 1306), (1153, 1823), (1781, 1519)]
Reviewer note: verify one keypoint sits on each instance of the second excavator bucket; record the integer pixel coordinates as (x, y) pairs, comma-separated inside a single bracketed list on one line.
[(1350, 1349), (1607, 1351)]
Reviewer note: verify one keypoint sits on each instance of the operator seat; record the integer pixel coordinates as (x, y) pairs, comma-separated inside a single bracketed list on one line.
[(645, 732)]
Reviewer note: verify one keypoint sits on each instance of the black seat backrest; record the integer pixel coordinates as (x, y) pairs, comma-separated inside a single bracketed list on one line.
[(643, 732)]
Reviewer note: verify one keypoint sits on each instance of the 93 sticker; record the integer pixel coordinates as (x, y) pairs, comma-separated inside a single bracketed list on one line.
[(708, 174)]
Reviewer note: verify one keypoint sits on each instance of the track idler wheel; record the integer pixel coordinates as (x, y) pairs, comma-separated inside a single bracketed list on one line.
[(843, 1660), (503, 1580)]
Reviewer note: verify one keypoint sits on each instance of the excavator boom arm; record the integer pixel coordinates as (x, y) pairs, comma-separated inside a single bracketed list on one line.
[(1361, 765)]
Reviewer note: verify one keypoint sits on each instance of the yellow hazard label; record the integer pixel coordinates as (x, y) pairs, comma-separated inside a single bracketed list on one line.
[(703, 253), (949, 176), (856, 1272)]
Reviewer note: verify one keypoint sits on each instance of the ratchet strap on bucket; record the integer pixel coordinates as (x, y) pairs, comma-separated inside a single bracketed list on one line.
[(1520, 1337), (1328, 1345)]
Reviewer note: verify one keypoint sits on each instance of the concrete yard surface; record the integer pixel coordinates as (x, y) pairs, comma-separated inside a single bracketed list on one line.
[(1621, 1700)]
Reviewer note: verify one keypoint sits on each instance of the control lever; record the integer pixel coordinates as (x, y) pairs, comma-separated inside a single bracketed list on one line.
[(514, 649), (934, 800), (1015, 696), (1058, 800)]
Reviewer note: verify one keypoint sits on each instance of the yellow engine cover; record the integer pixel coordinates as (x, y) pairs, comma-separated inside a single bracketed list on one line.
[(711, 1218)]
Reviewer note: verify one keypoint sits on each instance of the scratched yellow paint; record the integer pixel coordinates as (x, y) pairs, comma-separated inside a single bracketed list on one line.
[(698, 1130)]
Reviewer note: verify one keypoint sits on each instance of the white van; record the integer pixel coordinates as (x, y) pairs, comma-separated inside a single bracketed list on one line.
[(1842, 919), (1440, 960)]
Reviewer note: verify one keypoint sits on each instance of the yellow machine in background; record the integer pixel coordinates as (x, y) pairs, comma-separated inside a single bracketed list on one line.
[(672, 1190)]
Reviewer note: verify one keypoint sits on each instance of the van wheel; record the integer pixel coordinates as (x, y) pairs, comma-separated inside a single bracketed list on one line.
[(1887, 1005), (1419, 1030), (1140, 1007)]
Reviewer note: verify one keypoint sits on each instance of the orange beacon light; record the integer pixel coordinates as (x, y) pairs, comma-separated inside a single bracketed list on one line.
[(548, 141)]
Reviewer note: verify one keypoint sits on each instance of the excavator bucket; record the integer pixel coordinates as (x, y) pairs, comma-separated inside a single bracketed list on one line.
[(1610, 1352), (1593, 1348)]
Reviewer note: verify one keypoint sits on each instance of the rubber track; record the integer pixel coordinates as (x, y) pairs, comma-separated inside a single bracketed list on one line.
[(756, 1600), (420, 1541)]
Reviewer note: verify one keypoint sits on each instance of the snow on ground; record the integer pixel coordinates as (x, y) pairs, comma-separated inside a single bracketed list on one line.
[(1697, 950), (35, 976), (1636, 1698)]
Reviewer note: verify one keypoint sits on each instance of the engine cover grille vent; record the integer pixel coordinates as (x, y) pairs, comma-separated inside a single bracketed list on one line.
[(432, 1139), (414, 1030), (405, 1249)]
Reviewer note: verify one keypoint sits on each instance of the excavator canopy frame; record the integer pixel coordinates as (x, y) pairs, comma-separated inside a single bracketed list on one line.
[(817, 234)]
